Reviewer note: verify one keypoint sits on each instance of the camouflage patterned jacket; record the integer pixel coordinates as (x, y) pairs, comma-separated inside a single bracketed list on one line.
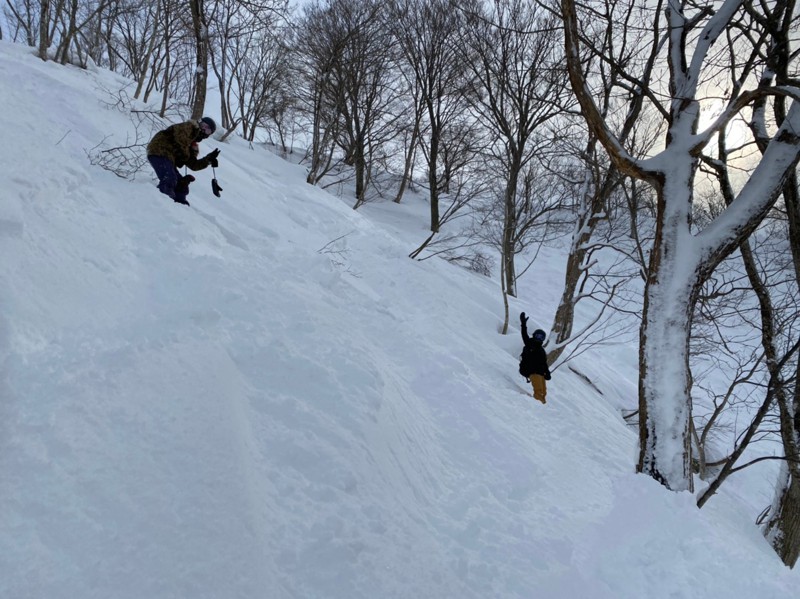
[(179, 144)]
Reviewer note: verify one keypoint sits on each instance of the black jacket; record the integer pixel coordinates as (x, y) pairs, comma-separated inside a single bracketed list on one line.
[(534, 358)]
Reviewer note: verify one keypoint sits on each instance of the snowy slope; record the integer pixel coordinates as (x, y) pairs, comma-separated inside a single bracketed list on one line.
[(214, 402)]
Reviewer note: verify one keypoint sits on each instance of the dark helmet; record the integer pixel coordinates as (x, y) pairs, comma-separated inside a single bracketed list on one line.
[(209, 122), (539, 335)]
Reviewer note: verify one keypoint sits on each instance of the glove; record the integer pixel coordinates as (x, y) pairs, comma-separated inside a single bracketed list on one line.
[(215, 188), (523, 319), (547, 375), (212, 158)]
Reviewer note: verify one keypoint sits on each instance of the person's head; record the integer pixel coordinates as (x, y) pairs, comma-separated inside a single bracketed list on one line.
[(539, 335), (207, 126)]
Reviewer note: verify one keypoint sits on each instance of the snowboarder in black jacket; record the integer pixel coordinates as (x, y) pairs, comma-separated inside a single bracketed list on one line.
[(533, 364)]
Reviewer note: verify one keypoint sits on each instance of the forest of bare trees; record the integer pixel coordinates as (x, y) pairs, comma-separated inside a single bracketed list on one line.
[(655, 142)]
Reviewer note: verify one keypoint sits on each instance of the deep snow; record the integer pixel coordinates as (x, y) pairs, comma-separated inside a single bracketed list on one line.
[(213, 402)]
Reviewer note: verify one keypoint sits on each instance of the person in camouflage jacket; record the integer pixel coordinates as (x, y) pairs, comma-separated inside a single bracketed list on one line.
[(176, 147)]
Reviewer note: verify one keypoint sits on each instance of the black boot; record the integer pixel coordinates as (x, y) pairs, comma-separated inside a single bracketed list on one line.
[(182, 188)]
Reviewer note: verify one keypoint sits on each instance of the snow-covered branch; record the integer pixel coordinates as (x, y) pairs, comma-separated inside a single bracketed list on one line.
[(715, 26), (735, 107), (757, 195)]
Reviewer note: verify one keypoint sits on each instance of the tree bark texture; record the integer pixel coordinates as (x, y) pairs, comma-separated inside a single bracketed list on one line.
[(782, 529), (509, 241), (44, 28), (433, 176), (200, 32)]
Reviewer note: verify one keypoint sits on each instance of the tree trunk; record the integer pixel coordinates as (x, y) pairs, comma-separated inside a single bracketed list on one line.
[(680, 262), (165, 91), (433, 179), (201, 60), (151, 47), (409, 161), (360, 174), (592, 202), (413, 255), (510, 229), (506, 317), (782, 530), (665, 402), (664, 385), (565, 313), (44, 28), (316, 136)]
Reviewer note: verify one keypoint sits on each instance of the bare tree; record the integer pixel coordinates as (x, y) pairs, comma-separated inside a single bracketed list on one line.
[(140, 67), (760, 297), (144, 40), (409, 129), (46, 26), (134, 38), (538, 208), (88, 35), (172, 58), (22, 18), (361, 80), (519, 85), (782, 521), (428, 34), (69, 22), (464, 177), (597, 185), (318, 50), (680, 260), (348, 55), (251, 61), (603, 263), (780, 20), (77, 28), (200, 33)]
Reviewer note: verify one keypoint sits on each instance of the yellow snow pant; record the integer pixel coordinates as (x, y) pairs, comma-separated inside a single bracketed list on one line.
[(539, 387)]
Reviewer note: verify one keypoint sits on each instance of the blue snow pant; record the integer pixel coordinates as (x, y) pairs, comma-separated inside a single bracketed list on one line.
[(168, 177)]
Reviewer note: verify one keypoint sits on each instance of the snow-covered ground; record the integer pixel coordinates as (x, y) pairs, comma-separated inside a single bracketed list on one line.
[(217, 402)]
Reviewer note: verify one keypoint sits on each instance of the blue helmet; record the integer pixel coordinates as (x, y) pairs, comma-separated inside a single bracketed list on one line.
[(539, 335)]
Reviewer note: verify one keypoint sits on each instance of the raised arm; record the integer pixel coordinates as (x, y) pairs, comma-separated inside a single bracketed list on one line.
[(523, 320)]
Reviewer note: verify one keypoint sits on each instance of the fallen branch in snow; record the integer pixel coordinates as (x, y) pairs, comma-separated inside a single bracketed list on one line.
[(124, 161), (64, 136), (338, 253)]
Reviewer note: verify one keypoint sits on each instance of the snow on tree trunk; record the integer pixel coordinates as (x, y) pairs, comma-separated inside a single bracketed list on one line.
[(680, 262), (664, 383), (664, 388)]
